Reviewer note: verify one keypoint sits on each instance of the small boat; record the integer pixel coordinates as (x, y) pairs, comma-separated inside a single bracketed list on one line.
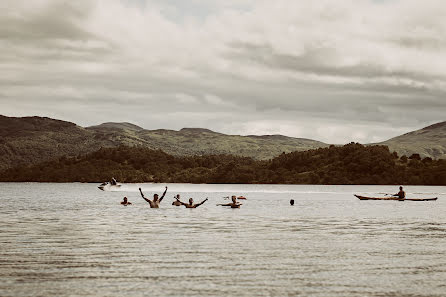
[(107, 186), (395, 198)]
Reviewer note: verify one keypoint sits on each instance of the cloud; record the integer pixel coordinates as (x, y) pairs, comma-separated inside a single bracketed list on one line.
[(329, 70)]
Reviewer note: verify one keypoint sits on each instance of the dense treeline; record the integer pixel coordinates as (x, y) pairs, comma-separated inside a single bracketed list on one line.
[(349, 164)]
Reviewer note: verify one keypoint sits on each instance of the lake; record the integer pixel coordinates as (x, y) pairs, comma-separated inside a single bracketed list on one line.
[(75, 240)]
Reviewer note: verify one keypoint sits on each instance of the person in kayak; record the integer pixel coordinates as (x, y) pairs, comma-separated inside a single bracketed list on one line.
[(191, 203), (155, 203), (233, 204), (125, 202), (401, 194), (177, 202)]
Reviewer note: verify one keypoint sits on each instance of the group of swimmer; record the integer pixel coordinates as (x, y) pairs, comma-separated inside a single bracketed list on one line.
[(155, 202)]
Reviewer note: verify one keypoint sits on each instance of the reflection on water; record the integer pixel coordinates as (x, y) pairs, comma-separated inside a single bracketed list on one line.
[(72, 239)]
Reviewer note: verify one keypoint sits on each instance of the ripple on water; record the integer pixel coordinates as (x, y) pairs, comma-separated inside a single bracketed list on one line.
[(71, 239)]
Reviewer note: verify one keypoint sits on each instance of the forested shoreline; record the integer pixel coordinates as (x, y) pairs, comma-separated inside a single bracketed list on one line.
[(349, 164)]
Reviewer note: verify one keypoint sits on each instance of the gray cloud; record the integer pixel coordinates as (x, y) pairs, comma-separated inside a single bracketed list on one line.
[(336, 72)]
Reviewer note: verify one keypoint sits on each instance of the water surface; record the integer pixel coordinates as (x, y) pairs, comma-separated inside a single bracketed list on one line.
[(74, 240)]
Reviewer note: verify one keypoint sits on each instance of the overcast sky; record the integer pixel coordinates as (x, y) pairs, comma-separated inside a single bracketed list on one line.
[(335, 71)]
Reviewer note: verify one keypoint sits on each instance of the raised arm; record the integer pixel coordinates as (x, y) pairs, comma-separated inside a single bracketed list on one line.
[(164, 194), (201, 202), (182, 203), (228, 204), (142, 195)]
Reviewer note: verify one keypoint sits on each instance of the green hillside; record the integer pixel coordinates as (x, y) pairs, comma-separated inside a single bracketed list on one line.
[(31, 140), (428, 142)]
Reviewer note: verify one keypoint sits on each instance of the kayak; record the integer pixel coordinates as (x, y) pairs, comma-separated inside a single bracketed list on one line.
[(378, 198), (395, 198)]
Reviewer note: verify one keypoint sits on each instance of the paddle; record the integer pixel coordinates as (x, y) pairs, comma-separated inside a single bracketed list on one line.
[(396, 197)]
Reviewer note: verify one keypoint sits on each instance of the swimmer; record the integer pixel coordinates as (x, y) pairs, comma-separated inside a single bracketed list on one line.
[(233, 204), (125, 202), (191, 202), (292, 202), (155, 203), (177, 202)]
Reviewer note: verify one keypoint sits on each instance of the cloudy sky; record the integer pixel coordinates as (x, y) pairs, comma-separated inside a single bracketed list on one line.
[(335, 71)]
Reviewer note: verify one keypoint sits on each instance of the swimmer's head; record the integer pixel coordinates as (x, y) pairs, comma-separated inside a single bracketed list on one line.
[(191, 200), (292, 202), (234, 198), (125, 199), (155, 197), (401, 187)]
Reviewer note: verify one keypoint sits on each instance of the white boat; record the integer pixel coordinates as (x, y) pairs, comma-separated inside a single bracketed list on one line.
[(107, 186)]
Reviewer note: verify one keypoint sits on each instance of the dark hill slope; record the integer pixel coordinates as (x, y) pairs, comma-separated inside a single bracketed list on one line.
[(34, 139)]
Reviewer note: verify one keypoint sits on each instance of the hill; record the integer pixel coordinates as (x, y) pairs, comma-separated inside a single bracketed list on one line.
[(31, 140), (428, 142), (349, 164), (117, 126)]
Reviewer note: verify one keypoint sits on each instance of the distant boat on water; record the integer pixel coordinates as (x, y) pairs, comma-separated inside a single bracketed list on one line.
[(112, 185), (395, 198)]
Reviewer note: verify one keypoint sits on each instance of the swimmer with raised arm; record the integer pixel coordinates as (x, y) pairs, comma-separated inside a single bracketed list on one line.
[(177, 202), (155, 203), (191, 203), (233, 204)]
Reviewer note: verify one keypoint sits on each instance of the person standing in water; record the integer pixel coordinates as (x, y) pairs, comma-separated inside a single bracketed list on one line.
[(233, 204), (401, 194), (125, 202), (191, 202), (177, 202), (155, 203)]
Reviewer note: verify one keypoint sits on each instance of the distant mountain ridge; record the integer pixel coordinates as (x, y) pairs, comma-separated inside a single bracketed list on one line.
[(429, 141), (30, 140), (113, 125)]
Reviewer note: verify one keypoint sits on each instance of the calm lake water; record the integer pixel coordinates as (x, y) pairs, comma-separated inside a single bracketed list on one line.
[(75, 240)]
